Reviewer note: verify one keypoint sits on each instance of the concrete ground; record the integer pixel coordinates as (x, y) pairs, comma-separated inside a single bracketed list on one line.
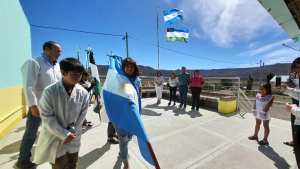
[(181, 140)]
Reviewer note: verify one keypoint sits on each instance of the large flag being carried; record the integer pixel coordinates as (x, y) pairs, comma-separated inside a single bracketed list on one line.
[(177, 34), (122, 105), (171, 16)]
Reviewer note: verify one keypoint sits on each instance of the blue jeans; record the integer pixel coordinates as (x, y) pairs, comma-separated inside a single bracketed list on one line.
[(124, 138), (32, 125), (183, 90)]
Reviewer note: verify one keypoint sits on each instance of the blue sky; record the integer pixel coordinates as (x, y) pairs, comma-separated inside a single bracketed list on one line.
[(223, 34)]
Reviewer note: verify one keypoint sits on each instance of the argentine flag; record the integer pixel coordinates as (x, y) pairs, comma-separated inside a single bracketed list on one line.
[(171, 16), (121, 103), (181, 35)]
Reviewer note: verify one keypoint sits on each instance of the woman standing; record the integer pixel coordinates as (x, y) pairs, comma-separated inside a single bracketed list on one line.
[(173, 82), (197, 82), (159, 84)]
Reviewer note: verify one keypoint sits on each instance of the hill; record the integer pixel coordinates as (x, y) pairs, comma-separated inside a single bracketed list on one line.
[(243, 73)]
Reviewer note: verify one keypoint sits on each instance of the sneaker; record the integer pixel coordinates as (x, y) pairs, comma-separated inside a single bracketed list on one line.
[(263, 142), (253, 137), (112, 140), (25, 165)]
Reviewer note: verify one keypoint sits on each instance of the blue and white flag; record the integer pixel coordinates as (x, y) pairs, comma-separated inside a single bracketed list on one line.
[(122, 105), (171, 16), (174, 34)]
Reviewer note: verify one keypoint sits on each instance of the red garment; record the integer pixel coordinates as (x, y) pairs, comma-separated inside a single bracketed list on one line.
[(196, 80)]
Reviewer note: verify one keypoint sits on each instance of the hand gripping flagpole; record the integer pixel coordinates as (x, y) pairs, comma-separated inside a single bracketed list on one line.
[(156, 164)]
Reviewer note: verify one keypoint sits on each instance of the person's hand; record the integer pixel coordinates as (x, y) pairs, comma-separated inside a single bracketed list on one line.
[(70, 138), (289, 106), (35, 111)]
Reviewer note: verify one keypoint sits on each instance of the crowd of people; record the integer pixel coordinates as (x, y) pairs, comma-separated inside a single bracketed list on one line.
[(184, 81), (58, 97)]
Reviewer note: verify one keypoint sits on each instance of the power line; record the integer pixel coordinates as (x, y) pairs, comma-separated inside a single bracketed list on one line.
[(134, 38), (184, 53), (75, 30)]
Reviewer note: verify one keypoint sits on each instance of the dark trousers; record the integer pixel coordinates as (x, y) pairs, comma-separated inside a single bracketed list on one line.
[(172, 94), (297, 143), (111, 131), (67, 161), (183, 90), (196, 91), (30, 134), (294, 101)]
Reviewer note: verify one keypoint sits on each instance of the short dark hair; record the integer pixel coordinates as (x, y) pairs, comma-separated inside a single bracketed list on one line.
[(268, 87), (71, 65), (128, 61), (296, 61), (49, 44)]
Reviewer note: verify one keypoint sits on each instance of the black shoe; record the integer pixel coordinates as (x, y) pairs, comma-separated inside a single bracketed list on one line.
[(169, 103), (25, 165), (193, 108), (197, 108), (113, 141), (174, 104), (180, 106)]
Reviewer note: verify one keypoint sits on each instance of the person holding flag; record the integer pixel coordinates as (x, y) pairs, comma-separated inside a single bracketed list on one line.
[(122, 88)]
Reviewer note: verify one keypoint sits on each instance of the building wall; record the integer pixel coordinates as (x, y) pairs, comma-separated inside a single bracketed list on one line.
[(15, 48)]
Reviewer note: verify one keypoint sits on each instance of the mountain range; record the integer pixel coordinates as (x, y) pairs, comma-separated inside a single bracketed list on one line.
[(243, 73)]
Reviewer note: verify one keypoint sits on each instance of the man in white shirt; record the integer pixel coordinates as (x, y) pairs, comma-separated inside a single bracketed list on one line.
[(37, 74), (63, 107)]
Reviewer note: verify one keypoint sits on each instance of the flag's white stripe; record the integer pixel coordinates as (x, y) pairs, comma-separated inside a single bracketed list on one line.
[(178, 34), (170, 16), (120, 85)]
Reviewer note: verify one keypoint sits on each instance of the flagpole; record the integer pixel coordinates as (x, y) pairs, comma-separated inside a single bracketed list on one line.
[(126, 39), (153, 156), (157, 35)]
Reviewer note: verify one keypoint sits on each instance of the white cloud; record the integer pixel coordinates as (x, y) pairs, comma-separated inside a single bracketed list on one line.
[(227, 22), (283, 55), (266, 48)]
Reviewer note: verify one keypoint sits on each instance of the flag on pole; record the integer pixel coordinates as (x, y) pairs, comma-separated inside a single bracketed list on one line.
[(122, 105), (181, 35), (172, 16)]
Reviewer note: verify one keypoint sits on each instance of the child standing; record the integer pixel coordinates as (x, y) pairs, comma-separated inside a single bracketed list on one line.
[(63, 108), (264, 101)]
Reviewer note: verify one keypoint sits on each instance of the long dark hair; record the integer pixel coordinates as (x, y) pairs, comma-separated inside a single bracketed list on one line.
[(268, 88), (128, 61), (295, 62)]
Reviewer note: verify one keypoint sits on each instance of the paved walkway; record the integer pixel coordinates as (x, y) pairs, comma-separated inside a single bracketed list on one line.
[(181, 140)]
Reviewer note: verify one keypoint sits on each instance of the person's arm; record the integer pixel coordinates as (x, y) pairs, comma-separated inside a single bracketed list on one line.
[(268, 105), (30, 72), (293, 92), (48, 117), (83, 112), (295, 110)]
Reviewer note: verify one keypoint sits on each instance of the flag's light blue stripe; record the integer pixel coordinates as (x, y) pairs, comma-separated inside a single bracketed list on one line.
[(170, 11)]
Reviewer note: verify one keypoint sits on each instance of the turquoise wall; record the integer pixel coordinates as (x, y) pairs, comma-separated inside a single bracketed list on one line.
[(15, 42)]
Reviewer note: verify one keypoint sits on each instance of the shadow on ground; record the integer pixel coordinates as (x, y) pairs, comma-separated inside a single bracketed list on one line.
[(89, 158), (279, 161), (148, 112)]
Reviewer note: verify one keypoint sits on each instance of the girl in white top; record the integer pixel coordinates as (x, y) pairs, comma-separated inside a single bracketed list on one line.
[(173, 82), (264, 101), (159, 84)]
